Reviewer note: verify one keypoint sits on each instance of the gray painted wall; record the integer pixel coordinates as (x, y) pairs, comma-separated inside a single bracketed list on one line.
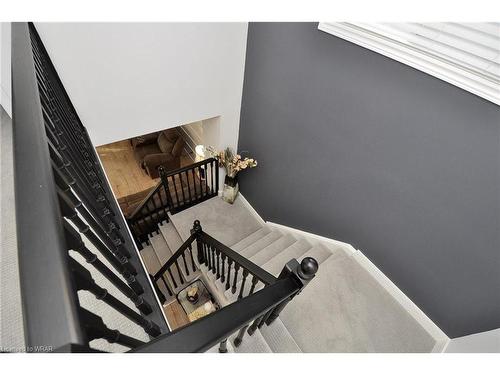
[(355, 146)]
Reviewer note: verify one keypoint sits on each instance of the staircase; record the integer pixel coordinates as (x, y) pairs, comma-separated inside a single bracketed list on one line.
[(82, 280), (343, 309)]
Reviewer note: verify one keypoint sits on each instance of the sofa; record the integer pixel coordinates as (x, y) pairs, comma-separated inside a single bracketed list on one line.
[(161, 148)]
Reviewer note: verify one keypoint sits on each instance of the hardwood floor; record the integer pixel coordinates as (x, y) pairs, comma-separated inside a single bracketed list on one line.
[(124, 174), (176, 315)]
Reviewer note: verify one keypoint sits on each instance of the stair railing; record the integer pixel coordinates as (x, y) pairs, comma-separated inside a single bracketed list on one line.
[(217, 327), (150, 213), (233, 271), (64, 205), (177, 191)]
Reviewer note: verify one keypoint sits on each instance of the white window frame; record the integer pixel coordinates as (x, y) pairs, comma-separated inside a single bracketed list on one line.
[(398, 50)]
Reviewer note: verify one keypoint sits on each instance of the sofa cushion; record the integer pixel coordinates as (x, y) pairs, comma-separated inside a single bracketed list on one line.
[(178, 147), (165, 144), (143, 151), (144, 139), (167, 139)]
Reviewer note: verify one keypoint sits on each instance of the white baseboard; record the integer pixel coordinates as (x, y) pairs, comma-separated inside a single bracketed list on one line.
[(251, 209)]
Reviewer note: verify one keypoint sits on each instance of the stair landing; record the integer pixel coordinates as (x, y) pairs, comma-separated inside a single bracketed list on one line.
[(228, 223)]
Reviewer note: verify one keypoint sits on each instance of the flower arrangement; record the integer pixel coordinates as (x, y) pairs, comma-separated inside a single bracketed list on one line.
[(234, 163)]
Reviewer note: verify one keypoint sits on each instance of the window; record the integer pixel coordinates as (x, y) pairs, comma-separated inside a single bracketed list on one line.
[(466, 55)]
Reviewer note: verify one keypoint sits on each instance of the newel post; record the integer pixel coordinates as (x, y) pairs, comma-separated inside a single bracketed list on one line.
[(303, 273), (197, 230)]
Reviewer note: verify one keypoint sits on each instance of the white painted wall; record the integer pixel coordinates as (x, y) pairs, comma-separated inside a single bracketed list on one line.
[(5, 81), (484, 342), (127, 79)]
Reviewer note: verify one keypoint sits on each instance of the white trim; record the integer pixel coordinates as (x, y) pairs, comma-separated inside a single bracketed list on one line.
[(430, 327), (314, 237), (415, 58), (247, 204)]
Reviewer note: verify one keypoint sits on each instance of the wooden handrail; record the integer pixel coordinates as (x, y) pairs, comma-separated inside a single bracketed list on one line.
[(170, 262), (50, 302), (145, 201), (190, 166), (208, 331)]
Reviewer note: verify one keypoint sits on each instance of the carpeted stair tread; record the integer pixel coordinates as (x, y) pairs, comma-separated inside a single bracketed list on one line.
[(215, 348), (276, 264), (265, 241), (161, 248), (150, 259), (344, 309), (278, 338), (273, 249), (251, 344), (254, 237), (171, 236), (228, 223)]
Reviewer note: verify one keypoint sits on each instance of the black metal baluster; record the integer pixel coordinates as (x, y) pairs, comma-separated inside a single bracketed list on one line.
[(75, 243), (192, 258), (228, 280), (188, 187), (185, 264), (255, 280), (206, 178), (166, 285), (205, 254), (172, 277), (239, 339), (175, 190), (213, 260), (95, 329), (223, 346), (194, 184), (119, 262), (155, 208), (84, 281), (181, 279), (236, 269), (255, 325), (182, 190), (242, 287), (217, 251), (266, 316), (223, 272), (208, 257)]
